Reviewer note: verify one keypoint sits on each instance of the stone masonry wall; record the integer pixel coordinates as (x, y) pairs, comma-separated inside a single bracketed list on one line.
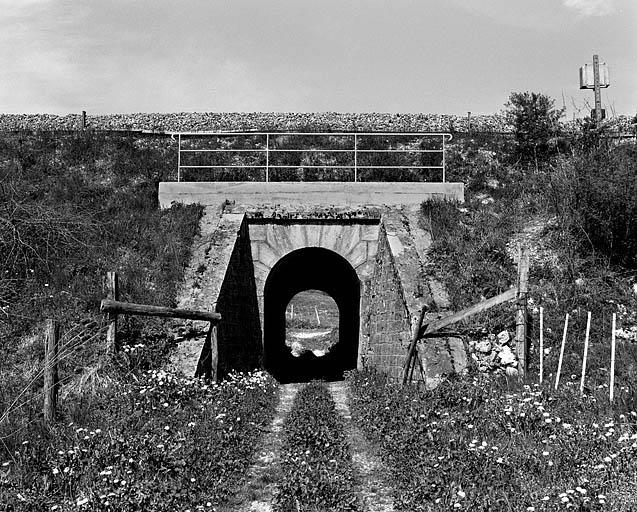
[(239, 336), (388, 324)]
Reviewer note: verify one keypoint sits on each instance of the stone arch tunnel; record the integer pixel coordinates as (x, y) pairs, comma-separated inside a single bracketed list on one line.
[(253, 256), (303, 269)]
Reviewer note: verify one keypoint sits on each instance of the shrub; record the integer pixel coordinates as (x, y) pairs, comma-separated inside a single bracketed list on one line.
[(595, 198), (535, 124), (469, 249)]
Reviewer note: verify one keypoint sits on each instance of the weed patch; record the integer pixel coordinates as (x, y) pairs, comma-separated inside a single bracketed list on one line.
[(162, 443), (480, 444), (317, 473)]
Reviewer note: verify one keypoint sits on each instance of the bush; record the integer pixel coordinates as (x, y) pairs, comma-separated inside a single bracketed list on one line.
[(595, 198), (535, 124), (469, 249), (317, 472)]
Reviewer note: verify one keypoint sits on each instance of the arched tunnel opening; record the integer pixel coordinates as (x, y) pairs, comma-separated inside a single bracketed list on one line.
[(311, 268)]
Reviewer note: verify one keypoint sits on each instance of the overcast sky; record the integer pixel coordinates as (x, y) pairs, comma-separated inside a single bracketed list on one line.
[(435, 56)]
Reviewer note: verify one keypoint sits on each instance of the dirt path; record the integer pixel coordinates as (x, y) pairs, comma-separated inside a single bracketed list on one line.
[(258, 492), (375, 491)]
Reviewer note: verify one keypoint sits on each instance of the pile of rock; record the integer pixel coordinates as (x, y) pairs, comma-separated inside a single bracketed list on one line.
[(282, 121), (259, 121), (495, 353)]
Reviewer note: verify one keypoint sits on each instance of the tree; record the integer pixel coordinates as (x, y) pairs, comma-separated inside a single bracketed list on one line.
[(535, 122)]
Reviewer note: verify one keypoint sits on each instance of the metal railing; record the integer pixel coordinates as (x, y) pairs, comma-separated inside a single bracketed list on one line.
[(270, 152)]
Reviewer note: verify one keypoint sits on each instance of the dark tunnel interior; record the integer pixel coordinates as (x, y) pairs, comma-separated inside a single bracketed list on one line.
[(305, 269)]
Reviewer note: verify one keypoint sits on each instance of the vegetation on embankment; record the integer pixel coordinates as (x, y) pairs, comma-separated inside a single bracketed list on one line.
[(316, 466), (573, 203), (483, 444), (159, 443), (72, 207)]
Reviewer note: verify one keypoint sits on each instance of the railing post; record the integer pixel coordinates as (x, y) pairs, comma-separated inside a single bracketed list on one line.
[(51, 377), (112, 293), (267, 157), (355, 157), (179, 158), (444, 177)]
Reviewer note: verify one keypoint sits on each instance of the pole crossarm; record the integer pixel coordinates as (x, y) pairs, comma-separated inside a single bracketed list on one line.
[(129, 308)]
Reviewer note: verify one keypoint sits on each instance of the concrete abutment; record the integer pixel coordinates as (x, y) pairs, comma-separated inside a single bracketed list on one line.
[(370, 257)]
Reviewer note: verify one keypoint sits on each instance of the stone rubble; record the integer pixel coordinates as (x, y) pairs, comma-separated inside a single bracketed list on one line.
[(495, 353)]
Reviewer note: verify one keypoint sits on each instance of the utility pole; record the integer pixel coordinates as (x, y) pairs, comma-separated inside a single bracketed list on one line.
[(595, 79), (598, 92)]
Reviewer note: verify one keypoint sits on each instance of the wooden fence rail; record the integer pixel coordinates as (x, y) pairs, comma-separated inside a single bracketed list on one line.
[(519, 293), (113, 307)]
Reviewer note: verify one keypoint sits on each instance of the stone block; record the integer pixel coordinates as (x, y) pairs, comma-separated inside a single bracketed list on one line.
[(350, 236), (297, 236), (313, 234), (459, 354), (254, 249), (330, 236), (268, 256), (369, 232), (372, 249), (358, 255), (436, 357), (257, 232)]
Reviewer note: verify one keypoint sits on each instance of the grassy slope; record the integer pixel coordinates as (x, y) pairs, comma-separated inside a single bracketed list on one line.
[(483, 444), (472, 250), (71, 208)]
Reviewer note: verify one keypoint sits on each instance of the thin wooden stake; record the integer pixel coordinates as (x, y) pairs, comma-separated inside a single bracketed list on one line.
[(559, 364), (318, 320), (522, 347), (112, 293), (588, 332), (51, 377), (541, 344), (612, 359)]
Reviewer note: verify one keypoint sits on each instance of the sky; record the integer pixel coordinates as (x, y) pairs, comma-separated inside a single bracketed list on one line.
[(431, 56)]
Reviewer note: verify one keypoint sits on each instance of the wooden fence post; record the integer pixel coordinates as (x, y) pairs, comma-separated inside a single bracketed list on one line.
[(611, 386), (51, 377), (541, 344), (559, 362), (521, 341), (112, 292)]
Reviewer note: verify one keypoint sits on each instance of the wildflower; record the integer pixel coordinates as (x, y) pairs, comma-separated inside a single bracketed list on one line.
[(462, 494), (81, 502)]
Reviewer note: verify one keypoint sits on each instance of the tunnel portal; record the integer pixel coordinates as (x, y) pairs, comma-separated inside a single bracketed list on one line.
[(300, 270)]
